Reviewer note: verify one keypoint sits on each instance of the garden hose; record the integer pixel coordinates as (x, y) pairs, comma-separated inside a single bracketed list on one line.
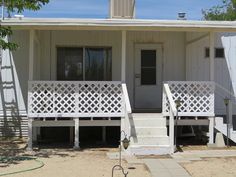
[(22, 158)]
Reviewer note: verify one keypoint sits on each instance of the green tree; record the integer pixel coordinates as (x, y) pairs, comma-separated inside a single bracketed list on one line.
[(224, 12), (17, 6)]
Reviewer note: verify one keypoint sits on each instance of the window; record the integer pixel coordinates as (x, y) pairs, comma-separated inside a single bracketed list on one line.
[(98, 64), (69, 63), (219, 53), (94, 65), (148, 67)]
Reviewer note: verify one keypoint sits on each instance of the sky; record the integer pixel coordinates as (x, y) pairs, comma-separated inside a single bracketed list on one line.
[(145, 9)]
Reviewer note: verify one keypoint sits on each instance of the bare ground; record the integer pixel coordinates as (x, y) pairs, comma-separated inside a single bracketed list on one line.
[(66, 162), (212, 167)]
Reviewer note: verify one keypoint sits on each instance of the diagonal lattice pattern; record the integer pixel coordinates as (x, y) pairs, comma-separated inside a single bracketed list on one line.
[(75, 99), (196, 97)]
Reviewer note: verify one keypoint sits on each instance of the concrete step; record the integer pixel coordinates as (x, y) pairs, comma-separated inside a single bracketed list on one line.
[(149, 150), (220, 126), (150, 140), (147, 115), (148, 122), (150, 131)]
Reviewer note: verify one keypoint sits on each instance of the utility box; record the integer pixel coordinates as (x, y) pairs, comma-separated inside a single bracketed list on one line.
[(122, 9)]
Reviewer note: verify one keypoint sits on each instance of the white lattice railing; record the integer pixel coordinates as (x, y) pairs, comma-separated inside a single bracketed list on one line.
[(197, 98), (76, 99)]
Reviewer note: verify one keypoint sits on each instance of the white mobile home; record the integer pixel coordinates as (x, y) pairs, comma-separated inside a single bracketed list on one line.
[(117, 72)]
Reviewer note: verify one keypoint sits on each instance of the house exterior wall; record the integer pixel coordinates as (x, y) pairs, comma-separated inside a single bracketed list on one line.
[(180, 61), (173, 51), (173, 44), (198, 67), (14, 79)]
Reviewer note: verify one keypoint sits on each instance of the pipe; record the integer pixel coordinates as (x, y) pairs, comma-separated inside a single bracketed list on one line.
[(2, 9)]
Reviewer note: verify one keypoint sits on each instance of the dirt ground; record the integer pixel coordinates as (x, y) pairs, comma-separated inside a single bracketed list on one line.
[(212, 167), (65, 162)]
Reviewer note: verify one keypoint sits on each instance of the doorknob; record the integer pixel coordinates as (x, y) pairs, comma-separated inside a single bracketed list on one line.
[(137, 75)]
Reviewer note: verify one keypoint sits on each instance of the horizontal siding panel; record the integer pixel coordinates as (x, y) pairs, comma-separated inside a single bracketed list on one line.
[(15, 127)]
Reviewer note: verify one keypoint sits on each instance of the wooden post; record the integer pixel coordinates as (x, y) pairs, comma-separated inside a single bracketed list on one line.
[(171, 132), (211, 130), (123, 57), (31, 55), (104, 139), (212, 56), (76, 143), (30, 134)]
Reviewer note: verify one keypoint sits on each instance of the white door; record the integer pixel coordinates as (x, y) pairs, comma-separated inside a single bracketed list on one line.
[(148, 76)]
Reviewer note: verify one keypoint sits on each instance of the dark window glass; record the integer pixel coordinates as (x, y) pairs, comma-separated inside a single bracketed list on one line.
[(98, 64), (69, 64), (219, 53), (207, 52), (148, 67)]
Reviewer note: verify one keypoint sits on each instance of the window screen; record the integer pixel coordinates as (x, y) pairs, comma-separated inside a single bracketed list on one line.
[(148, 67)]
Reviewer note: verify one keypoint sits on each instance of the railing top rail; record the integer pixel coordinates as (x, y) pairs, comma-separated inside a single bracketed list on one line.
[(170, 98), (126, 97)]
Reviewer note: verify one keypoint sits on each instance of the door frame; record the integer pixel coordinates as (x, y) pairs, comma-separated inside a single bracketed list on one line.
[(148, 46)]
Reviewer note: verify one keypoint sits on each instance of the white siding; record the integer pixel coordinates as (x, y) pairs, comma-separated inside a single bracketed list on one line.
[(198, 66), (173, 55), (14, 77)]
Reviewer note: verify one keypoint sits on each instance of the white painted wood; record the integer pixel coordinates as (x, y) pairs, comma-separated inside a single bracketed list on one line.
[(31, 55), (76, 99), (30, 135), (212, 57), (189, 122), (211, 130), (123, 57), (197, 98), (71, 123), (126, 98), (148, 96), (76, 143), (171, 132)]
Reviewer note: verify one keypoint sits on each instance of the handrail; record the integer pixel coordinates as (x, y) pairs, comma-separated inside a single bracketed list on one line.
[(170, 98), (126, 99)]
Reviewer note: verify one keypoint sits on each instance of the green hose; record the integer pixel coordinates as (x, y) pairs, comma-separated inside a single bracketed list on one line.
[(10, 159)]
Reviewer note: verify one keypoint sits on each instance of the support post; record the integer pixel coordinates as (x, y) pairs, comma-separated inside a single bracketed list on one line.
[(30, 134), (212, 56), (31, 54), (76, 143), (211, 130), (123, 57), (171, 132), (104, 134)]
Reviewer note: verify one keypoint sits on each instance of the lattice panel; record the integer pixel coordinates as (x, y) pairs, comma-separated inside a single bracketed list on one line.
[(196, 97), (75, 99)]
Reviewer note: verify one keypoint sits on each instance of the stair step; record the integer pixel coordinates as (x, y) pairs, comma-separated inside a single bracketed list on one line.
[(150, 131), (150, 140), (149, 122), (149, 150), (147, 115)]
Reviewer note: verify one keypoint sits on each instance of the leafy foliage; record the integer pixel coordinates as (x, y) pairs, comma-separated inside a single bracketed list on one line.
[(17, 6), (224, 12)]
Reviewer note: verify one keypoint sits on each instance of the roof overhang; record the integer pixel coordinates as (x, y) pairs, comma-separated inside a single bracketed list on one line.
[(118, 24)]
